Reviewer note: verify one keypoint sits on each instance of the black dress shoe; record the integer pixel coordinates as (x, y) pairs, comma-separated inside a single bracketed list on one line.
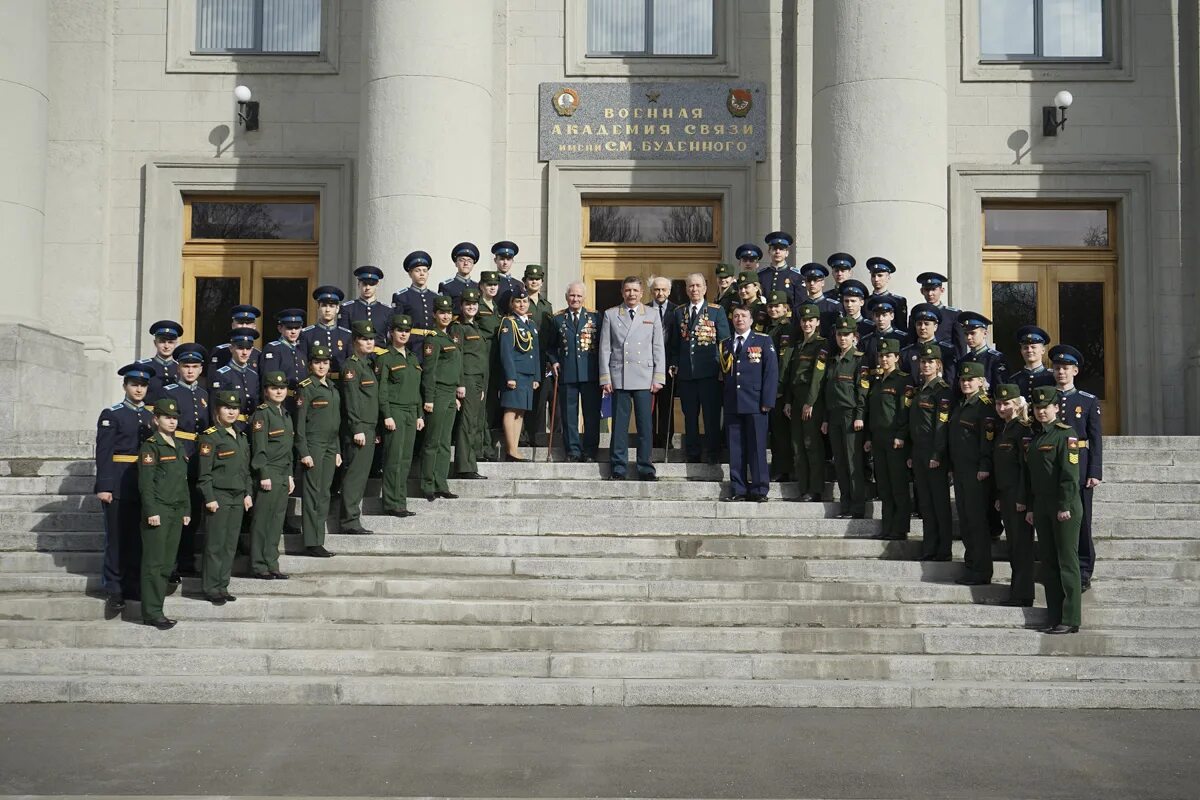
[(292, 530), (1084, 586), (756, 498), (229, 598), (317, 551), (187, 572), (573, 459), (430, 496), (447, 495), (216, 600), (1060, 629), (280, 576), (649, 476), (356, 532), (175, 578), (114, 602), (614, 477), (972, 582), (264, 576), (162, 623), (811, 497), (514, 458), (471, 476), (734, 498), (1011, 603), (403, 512)]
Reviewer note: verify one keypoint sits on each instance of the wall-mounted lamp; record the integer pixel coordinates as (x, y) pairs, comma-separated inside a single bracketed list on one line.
[(1052, 120), (247, 108)]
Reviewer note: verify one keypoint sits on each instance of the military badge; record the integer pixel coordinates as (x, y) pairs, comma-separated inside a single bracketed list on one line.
[(204, 402), (565, 101), (1078, 411), (148, 458), (258, 424), (348, 375), (739, 102), (428, 350), (206, 449)]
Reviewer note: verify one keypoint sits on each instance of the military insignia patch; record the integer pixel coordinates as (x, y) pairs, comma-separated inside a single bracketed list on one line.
[(148, 458), (258, 424), (204, 402), (348, 375), (206, 449), (428, 349), (1078, 411)]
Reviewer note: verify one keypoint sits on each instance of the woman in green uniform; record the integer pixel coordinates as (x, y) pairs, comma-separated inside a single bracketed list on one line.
[(885, 409), (846, 384), (804, 405), (166, 500), (225, 487), (470, 428), (924, 428), (1008, 464), (520, 355), (783, 333), (400, 408), (442, 392), (1052, 483), (972, 433), (318, 422), (272, 440)]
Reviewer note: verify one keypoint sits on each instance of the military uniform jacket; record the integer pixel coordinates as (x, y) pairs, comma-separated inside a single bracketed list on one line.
[(1052, 469), (489, 320), (165, 372), (272, 441), (224, 463), (783, 333), (927, 422), (442, 369), (910, 356), (476, 352), (338, 339), (973, 424), (846, 383), (758, 313), (508, 284), (1081, 410), (751, 380), (574, 344), (520, 349), (360, 397), (1008, 459), (243, 380), (888, 401), (1027, 380), (728, 299), (418, 304), (806, 370), (995, 368), (318, 415), (785, 279), (193, 413), (162, 477), (695, 353), (899, 302), (950, 331), (542, 313), (357, 309), (399, 382), (284, 357), (120, 431), (869, 344), (454, 287), (632, 350), (222, 354)]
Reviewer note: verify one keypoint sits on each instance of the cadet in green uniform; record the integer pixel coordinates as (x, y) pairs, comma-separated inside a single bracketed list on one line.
[(166, 500), (804, 405), (442, 391), (727, 290), (400, 409), (925, 428), (846, 384), (470, 427), (318, 420), (1052, 484), (782, 331), (490, 316), (360, 416), (971, 438), (226, 490), (272, 441), (885, 409), (1009, 468)]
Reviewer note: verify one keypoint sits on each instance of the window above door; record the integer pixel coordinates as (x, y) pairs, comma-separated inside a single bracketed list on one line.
[(652, 38), (253, 36)]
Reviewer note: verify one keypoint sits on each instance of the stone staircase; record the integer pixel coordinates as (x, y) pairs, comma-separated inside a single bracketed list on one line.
[(546, 585)]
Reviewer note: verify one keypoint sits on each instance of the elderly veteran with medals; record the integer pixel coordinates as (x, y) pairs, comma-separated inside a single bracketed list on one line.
[(572, 352), (694, 361)]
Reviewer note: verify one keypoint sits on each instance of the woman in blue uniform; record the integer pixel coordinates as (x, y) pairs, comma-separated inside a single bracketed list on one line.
[(520, 355)]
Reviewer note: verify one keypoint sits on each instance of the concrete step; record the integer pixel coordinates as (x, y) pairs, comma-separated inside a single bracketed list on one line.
[(590, 612), (321, 690), (157, 663)]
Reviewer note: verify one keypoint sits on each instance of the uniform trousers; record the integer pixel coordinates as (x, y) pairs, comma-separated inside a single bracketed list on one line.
[(700, 399), (1087, 550), (159, 546), (316, 485), (185, 559), (848, 460), (970, 497), (572, 396), (1058, 543), (356, 468), (122, 546), (435, 451), (266, 527), (933, 492), (746, 436), (469, 426), (891, 478), (639, 402), (808, 448), (397, 458), (222, 529), (781, 442), (1020, 547)]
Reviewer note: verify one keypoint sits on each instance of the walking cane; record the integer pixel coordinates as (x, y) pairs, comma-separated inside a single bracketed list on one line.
[(553, 416)]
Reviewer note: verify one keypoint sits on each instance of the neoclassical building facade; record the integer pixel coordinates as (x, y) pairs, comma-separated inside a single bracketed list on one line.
[(605, 137)]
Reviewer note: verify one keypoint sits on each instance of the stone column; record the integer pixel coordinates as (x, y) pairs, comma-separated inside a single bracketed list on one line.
[(24, 96), (880, 134), (426, 133)]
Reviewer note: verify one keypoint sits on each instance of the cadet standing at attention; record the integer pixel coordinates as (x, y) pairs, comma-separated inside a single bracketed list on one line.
[(1033, 373), (442, 393), (415, 301), (727, 291), (503, 254), (841, 266), (881, 271), (1008, 463), (400, 410), (365, 306), (360, 416), (975, 328), (782, 330), (318, 420), (465, 256), (327, 331), (885, 409), (272, 443), (804, 406), (846, 385), (166, 335), (1081, 410), (239, 375), (192, 401), (243, 316), (470, 429), (120, 431), (777, 276), (541, 311), (162, 479), (933, 289), (972, 439), (925, 429), (490, 317), (284, 354), (227, 492), (1052, 483)]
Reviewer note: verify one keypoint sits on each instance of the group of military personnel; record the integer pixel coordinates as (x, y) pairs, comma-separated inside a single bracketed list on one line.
[(460, 375)]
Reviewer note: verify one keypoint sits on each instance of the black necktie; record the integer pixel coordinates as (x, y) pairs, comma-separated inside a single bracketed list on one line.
[(662, 310), (631, 313), (737, 348), (695, 314)]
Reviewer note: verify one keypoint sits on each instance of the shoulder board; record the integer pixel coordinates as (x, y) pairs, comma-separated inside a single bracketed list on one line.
[(213, 429), (983, 398), (402, 291), (952, 308), (858, 353), (277, 341), (1023, 422), (993, 351), (262, 405), (171, 386), (1063, 426), (1088, 395), (347, 303), (225, 368), (307, 328), (560, 313), (306, 382), (115, 407), (713, 305)]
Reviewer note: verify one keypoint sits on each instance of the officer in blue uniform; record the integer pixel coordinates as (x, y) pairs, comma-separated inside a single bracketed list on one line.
[(882, 310), (933, 289), (416, 301), (924, 323), (239, 375), (166, 335), (572, 349), (191, 398), (243, 316), (881, 271), (1081, 410), (694, 363), (751, 374), (326, 330), (365, 306), (1033, 341), (284, 354), (503, 253), (975, 326), (120, 431), (778, 276), (465, 256), (841, 267)]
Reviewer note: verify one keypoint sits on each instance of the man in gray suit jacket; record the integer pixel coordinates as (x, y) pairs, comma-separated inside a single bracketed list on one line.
[(633, 367)]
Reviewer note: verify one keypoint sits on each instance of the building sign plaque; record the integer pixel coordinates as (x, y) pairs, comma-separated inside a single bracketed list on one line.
[(668, 121)]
